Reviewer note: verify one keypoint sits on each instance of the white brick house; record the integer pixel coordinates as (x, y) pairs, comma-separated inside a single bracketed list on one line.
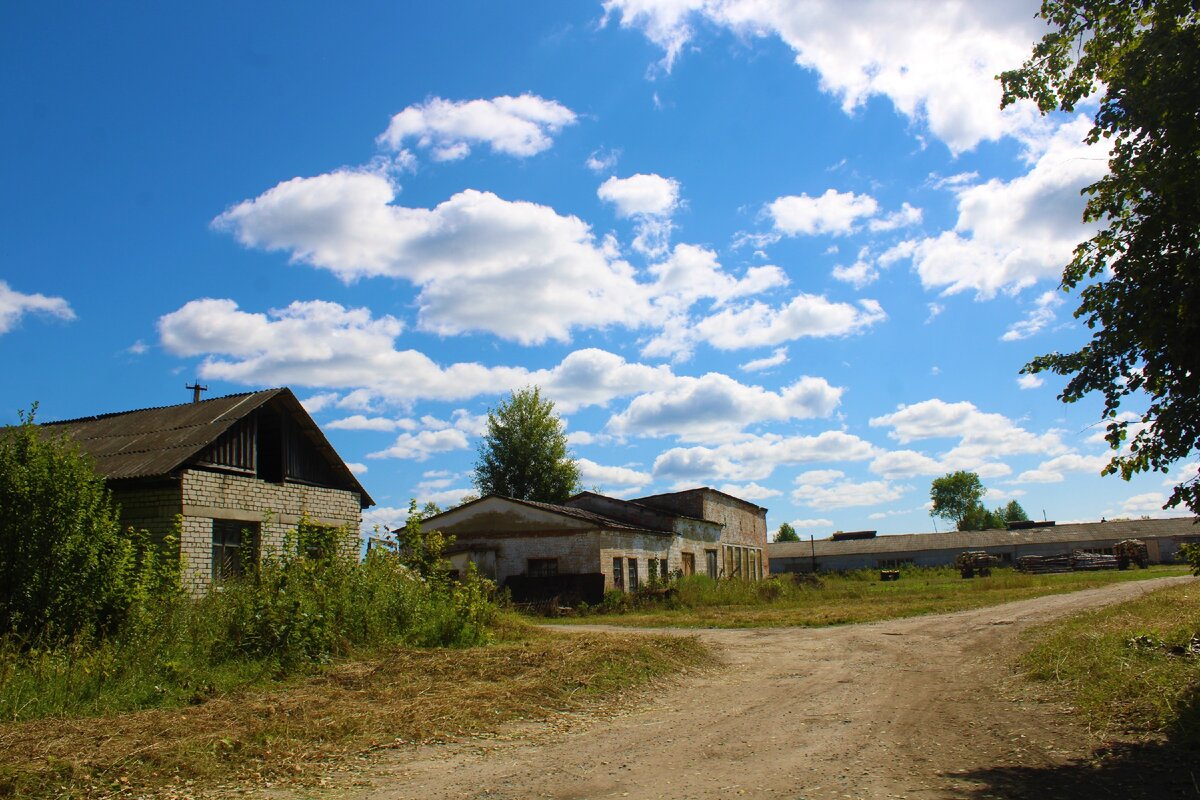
[(240, 470), (604, 543)]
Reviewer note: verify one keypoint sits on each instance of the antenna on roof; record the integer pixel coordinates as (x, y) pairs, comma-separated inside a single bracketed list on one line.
[(196, 390)]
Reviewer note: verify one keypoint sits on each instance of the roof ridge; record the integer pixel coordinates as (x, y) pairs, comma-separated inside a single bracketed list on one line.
[(110, 414)]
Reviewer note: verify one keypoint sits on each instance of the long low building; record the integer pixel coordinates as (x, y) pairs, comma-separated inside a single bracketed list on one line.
[(865, 550)]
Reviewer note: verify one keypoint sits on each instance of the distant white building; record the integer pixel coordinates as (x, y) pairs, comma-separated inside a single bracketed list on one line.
[(866, 550)]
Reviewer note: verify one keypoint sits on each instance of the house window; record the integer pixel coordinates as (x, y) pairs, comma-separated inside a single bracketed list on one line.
[(652, 569), (710, 559), (233, 547), (663, 570), (689, 563), (619, 573), (633, 575), (541, 567)]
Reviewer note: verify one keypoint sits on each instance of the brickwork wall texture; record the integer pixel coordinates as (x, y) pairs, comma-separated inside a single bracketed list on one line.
[(743, 528), (275, 507), (149, 507)]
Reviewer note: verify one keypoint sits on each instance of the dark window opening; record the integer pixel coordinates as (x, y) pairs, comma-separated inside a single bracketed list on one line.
[(541, 567), (234, 547), (270, 446), (633, 575), (619, 573), (710, 558)]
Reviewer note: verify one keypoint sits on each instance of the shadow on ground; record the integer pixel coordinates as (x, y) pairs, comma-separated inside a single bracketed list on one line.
[(1151, 770)]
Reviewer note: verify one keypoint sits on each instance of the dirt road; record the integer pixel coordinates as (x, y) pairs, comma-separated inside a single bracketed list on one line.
[(916, 708)]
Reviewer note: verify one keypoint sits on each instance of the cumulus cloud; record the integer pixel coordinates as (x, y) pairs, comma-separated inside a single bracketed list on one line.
[(641, 195), (715, 407), (649, 200), (829, 488), (905, 464), (1011, 234), (14, 305), (423, 444), (749, 491), (1029, 381), (517, 126), (1051, 471), (602, 160), (982, 437), (325, 345), (937, 68), (1041, 315), (806, 316), (836, 213), (359, 422), (778, 357), (755, 458), (518, 270), (593, 474), (1145, 503)]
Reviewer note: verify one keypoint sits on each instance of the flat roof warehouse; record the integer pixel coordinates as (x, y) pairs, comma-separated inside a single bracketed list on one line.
[(863, 550)]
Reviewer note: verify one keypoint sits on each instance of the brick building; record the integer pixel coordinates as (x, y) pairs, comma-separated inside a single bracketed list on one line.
[(602, 543), (240, 470)]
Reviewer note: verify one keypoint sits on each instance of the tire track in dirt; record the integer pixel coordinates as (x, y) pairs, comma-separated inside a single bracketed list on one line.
[(895, 709)]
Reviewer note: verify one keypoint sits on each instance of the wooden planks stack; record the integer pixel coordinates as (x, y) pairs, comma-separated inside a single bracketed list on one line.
[(1078, 561)]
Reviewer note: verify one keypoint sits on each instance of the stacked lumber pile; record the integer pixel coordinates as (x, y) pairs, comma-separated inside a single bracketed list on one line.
[(1077, 561)]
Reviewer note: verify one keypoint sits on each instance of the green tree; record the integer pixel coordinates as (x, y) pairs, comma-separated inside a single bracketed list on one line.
[(524, 453), (1013, 512), (1138, 277), (956, 496), (786, 533), (67, 569)]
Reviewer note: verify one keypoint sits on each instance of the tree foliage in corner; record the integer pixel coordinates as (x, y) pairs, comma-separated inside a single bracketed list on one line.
[(786, 533), (524, 453), (1138, 277)]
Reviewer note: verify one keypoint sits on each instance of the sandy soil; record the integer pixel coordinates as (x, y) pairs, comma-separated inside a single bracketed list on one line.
[(916, 708)]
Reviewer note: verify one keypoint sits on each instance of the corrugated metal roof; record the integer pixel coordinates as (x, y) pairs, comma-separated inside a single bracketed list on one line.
[(968, 540), (152, 442), (598, 520)]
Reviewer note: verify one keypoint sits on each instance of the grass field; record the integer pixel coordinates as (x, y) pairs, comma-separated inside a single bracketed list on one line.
[(850, 598), (296, 731), (1128, 668)]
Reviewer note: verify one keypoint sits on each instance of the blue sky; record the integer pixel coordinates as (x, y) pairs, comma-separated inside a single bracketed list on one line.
[(780, 249)]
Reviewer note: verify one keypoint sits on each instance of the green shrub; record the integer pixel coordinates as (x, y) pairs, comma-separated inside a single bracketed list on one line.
[(67, 570)]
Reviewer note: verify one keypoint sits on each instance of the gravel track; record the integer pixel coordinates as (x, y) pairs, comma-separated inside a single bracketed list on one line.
[(918, 708)]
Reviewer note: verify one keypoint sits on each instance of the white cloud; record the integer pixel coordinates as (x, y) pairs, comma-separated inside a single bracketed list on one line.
[(859, 274), (715, 407), (982, 436), (1011, 234), (1146, 503), (1041, 315), (319, 402), (905, 217), (935, 309), (593, 474), (836, 213), (826, 489), (359, 422), (1029, 381), (517, 270), (778, 357), (811, 523), (1051, 471), (650, 200), (423, 444), (14, 305), (325, 345), (806, 316), (356, 467), (905, 464), (517, 126), (641, 195), (937, 67), (749, 491), (602, 160), (755, 458)]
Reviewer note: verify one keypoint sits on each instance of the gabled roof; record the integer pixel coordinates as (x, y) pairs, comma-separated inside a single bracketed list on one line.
[(599, 520), (153, 442), (1066, 534)]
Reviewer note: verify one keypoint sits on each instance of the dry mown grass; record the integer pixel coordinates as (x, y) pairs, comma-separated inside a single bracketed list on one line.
[(294, 733)]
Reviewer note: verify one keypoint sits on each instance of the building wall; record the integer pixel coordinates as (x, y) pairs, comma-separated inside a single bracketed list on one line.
[(1162, 550), (744, 535), (276, 507), (150, 507)]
